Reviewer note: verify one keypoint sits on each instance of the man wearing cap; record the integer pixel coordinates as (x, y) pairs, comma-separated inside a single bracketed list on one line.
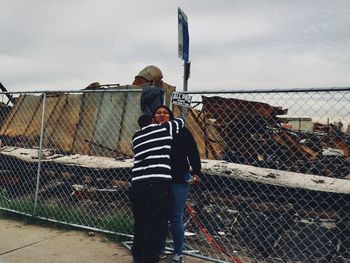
[(150, 75)]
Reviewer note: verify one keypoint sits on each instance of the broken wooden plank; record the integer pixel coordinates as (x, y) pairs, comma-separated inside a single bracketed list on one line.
[(276, 177), (96, 162), (210, 167)]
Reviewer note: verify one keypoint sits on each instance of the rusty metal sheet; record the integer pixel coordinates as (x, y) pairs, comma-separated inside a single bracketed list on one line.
[(129, 122), (33, 130), (57, 104), (4, 112), (108, 124), (11, 116), (21, 115), (221, 108), (168, 92), (207, 138), (295, 149), (64, 132), (88, 117)]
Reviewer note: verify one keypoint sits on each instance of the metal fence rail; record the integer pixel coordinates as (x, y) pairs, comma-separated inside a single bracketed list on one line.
[(275, 184)]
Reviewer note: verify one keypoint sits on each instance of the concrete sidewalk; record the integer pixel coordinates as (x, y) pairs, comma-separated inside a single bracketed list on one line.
[(22, 242)]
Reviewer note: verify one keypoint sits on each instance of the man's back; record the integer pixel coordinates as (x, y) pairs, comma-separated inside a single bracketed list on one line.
[(151, 146)]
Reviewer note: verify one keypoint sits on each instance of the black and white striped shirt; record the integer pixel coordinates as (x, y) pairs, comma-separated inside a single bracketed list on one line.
[(151, 146)]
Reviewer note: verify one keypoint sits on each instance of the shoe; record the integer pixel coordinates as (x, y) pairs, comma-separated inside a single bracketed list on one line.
[(162, 255), (178, 259)]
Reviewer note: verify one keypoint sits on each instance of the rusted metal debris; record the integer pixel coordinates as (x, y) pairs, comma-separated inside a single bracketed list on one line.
[(222, 108), (254, 135), (71, 119), (238, 131)]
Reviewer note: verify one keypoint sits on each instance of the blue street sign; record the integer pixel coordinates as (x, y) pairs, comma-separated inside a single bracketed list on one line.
[(184, 39)]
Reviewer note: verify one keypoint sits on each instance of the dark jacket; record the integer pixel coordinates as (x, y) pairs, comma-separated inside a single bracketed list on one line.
[(184, 153)]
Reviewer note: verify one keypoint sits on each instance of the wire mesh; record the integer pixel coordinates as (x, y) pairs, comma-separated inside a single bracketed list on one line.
[(281, 190), (275, 184)]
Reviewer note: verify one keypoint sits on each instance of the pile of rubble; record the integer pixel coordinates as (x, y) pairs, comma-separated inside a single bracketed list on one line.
[(253, 134)]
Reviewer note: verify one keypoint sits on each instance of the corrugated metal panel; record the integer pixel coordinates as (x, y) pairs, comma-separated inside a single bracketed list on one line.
[(64, 132), (21, 115), (88, 117), (132, 111), (57, 104), (108, 123), (98, 123), (33, 129)]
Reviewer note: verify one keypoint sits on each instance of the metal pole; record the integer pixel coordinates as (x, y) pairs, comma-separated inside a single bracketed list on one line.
[(184, 109), (185, 78), (40, 153)]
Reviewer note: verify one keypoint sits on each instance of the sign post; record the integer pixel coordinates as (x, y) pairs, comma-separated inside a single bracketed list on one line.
[(183, 45), (183, 101)]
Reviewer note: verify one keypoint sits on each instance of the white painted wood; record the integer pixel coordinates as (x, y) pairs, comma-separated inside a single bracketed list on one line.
[(211, 167)]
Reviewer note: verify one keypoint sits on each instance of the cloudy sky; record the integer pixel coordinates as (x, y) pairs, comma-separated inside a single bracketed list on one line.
[(234, 44)]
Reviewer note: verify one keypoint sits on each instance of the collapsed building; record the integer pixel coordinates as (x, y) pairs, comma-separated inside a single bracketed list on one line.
[(231, 129), (253, 133), (256, 170)]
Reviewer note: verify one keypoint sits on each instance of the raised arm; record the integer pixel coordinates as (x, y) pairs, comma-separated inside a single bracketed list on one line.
[(174, 125)]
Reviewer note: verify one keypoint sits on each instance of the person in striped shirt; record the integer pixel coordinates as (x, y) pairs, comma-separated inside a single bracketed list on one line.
[(151, 178)]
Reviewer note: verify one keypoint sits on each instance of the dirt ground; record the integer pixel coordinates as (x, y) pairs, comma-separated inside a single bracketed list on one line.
[(30, 243)]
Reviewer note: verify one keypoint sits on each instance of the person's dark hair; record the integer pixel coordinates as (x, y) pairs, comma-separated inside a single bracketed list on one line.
[(144, 120), (165, 107)]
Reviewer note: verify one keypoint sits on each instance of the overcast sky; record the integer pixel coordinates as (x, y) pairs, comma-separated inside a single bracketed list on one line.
[(234, 44)]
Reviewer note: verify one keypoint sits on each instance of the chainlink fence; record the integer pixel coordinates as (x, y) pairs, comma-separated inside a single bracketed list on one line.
[(275, 184)]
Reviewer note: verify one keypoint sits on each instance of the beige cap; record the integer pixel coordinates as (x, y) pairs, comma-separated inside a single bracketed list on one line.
[(151, 73)]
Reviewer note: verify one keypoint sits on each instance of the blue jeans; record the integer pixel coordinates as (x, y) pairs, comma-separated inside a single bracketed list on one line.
[(178, 196)]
